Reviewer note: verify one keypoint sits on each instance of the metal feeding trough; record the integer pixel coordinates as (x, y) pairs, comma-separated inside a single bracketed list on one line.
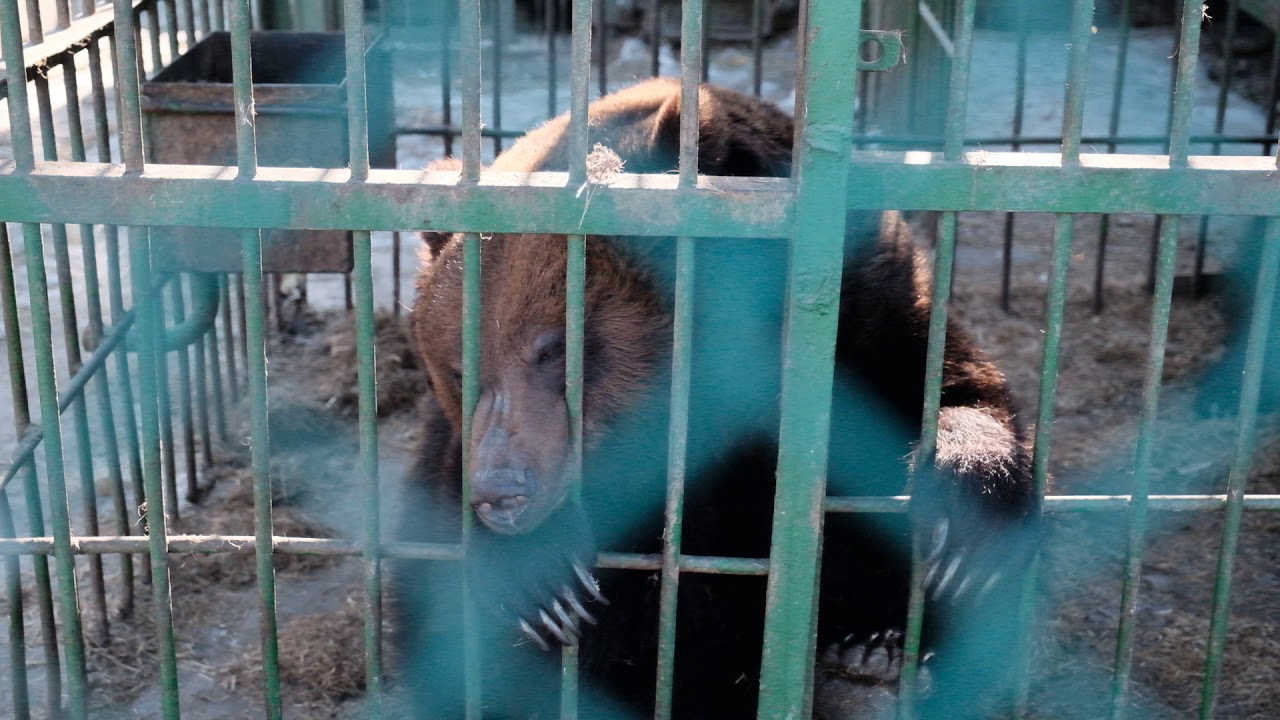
[(300, 98)]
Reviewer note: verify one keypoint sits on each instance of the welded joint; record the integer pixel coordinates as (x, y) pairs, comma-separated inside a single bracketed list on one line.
[(889, 43)]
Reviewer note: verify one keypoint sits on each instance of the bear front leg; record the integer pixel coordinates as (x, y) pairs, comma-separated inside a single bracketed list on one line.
[(537, 584), (975, 508)]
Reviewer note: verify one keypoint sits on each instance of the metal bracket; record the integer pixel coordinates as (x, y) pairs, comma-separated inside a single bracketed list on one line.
[(890, 44)]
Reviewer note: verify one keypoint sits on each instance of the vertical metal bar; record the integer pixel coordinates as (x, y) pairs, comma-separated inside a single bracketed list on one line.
[(469, 48), (72, 634), (219, 16), (94, 302), (579, 84), (357, 102), (168, 452), (149, 309), (97, 607), (1019, 106), (1264, 300), (233, 376), (1073, 118), (115, 293), (251, 249), (151, 18), (757, 47), (171, 27), (395, 273), (31, 487), (825, 138), (678, 432), (446, 90), (1077, 70), (184, 394), (17, 632), (691, 28), (215, 372), (243, 323), (579, 89), (1273, 91), (19, 112), (353, 18), (953, 144), (496, 74), (126, 69), (575, 291), (552, 18), (1142, 470), (677, 445), (958, 98), (1219, 121), (189, 21), (470, 393), (201, 380), (35, 24), (655, 37), (24, 161), (64, 12), (369, 471), (600, 23), (1113, 130)]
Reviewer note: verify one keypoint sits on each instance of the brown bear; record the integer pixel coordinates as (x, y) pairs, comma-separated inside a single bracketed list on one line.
[(530, 560)]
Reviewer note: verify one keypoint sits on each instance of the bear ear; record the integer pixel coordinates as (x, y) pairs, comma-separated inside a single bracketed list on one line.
[(664, 135), (437, 240)]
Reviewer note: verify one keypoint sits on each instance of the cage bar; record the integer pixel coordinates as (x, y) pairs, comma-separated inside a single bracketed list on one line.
[(470, 394), (469, 57), (1139, 503), (677, 447), (1255, 359), (184, 392), (824, 140), (97, 606), (691, 31), (1113, 130)]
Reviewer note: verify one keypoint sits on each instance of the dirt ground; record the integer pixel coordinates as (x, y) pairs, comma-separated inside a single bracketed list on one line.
[(315, 451), (314, 456)]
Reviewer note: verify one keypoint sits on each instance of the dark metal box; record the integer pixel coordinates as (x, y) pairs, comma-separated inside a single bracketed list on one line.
[(300, 98)]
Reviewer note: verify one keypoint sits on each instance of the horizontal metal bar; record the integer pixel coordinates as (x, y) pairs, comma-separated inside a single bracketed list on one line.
[(1039, 182), (898, 141), (308, 198), (322, 199), (67, 41), (247, 544), (456, 131), (1067, 503)]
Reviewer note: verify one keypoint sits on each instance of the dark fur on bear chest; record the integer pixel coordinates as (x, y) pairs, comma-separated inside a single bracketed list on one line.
[(533, 540)]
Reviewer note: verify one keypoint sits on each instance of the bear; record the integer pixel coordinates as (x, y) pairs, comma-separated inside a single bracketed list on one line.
[(530, 564)]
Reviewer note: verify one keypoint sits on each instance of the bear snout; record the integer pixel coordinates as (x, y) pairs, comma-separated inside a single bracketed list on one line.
[(500, 497)]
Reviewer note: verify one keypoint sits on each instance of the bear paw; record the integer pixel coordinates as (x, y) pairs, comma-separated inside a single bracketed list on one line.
[(859, 679), (537, 583), (556, 616)]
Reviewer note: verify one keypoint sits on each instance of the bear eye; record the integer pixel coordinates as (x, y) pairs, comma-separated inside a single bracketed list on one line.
[(549, 347)]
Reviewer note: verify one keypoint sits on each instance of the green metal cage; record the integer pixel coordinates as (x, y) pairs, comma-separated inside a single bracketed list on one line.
[(122, 361)]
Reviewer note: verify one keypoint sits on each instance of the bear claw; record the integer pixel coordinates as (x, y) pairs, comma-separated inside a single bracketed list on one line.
[(576, 605), (533, 634), (589, 582)]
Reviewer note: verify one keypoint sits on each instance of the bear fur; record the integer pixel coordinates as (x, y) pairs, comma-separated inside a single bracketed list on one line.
[(533, 543)]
